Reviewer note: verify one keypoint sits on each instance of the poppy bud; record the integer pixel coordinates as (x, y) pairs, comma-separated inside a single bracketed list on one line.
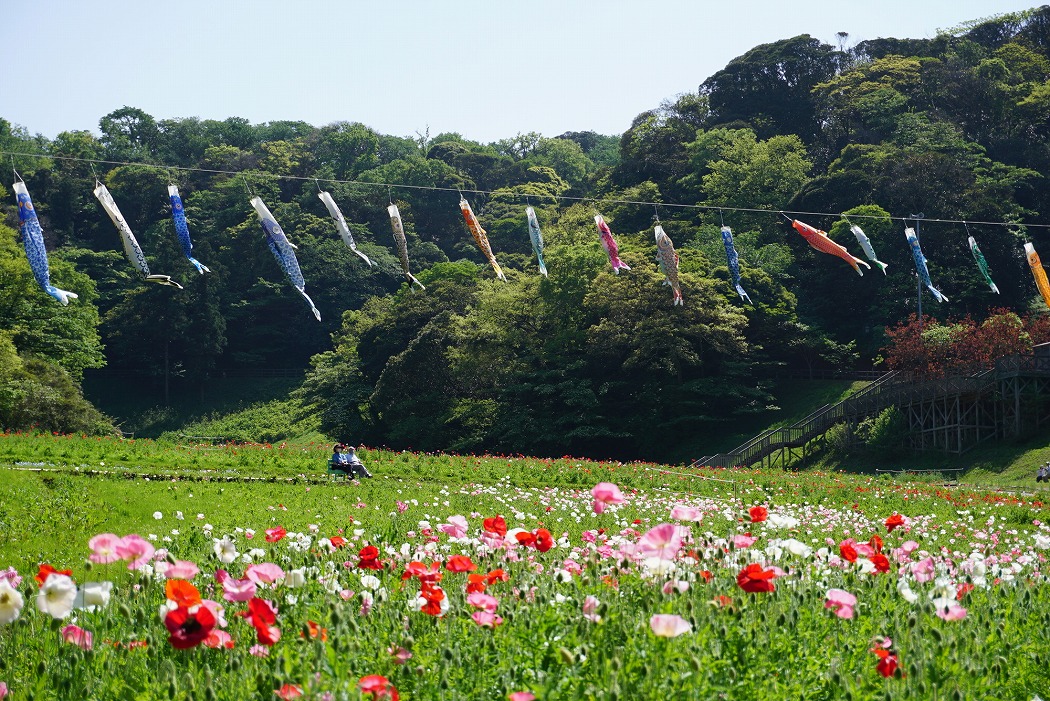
[(336, 618), (447, 654), (420, 671), (695, 663), (836, 678), (443, 684), (616, 664), (124, 610), (88, 565), (172, 690), (189, 681), (565, 655)]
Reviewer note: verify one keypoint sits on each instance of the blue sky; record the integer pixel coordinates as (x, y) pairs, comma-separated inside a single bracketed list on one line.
[(487, 69)]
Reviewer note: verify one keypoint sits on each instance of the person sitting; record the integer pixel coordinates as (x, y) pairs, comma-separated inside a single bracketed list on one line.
[(1043, 474), (354, 462)]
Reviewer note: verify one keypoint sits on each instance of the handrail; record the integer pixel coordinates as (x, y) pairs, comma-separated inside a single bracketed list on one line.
[(891, 389)]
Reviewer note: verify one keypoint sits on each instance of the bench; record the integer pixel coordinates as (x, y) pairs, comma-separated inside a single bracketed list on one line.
[(336, 472)]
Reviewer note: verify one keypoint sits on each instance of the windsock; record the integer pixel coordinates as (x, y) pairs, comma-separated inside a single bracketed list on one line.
[(667, 258), (33, 241), (480, 236), (609, 244), (920, 264), (734, 263), (865, 245), (820, 241), (537, 238), (131, 246), (340, 225), (402, 244), (982, 264), (283, 251), (1037, 272), (182, 229)]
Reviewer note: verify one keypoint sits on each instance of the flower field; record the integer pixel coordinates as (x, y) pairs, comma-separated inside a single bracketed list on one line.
[(186, 572)]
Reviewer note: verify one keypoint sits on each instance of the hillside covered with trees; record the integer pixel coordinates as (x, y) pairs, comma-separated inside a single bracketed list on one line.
[(584, 361)]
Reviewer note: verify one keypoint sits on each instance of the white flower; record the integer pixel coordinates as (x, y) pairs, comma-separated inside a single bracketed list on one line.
[(562, 576), (904, 590), (780, 521), (11, 603), (560, 598), (295, 578), (207, 528), (94, 594), (1042, 542), (257, 553), (57, 595), (796, 547), (225, 549), (158, 515), (178, 515), (369, 581)]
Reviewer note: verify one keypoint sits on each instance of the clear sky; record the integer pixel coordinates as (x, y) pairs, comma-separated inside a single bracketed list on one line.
[(487, 69)]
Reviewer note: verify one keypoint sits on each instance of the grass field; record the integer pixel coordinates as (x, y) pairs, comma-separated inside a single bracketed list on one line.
[(680, 587)]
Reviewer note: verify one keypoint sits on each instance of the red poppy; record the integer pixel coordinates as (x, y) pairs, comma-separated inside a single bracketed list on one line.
[(315, 631), (876, 543), (964, 589), (379, 687), (496, 576), (706, 575), (847, 551), (182, 592), (188, 629), (882, 564), (888, 662), (754, 579), (434, 595), (894, 521), (525, 538), (460, 563), (46, 571), (275, 534), (758, 514), (544, 541), (425, 573), (289, 691), (475, 583), (722, 600), (369, 558), (262, 615), (337, 541), (496, 525)]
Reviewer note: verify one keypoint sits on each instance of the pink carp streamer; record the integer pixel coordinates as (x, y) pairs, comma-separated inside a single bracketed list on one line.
[(667, 258), (820, 241), (1038, 272), (480, 236), (609, 244)]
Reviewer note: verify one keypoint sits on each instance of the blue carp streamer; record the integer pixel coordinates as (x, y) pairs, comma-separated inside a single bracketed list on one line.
[(33, 240), (734, 263), (982, 264), (537, 238), (340, 225), (920, 264), (132, 250), (182, 229), (283, 251)]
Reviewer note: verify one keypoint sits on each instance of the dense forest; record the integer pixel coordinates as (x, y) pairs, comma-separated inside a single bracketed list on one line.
[(583, 361)]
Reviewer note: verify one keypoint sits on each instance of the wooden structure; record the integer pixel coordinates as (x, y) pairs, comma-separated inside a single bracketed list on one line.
[(951, 414)]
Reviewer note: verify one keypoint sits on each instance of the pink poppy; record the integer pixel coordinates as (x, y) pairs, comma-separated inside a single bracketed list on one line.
[(455, 528), (104, 548), (521, 696), (605, 493), (681, 512), (182, 569), (400, 654), (486, 619), (743, 541), (669, 625), (264, 573), (949, 610), (238, 589), (841, 602), (218, 639), (482, 601), (590, 609), (137, 549), (924, 570), (259, 650), (75, 635), (663, 541)]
